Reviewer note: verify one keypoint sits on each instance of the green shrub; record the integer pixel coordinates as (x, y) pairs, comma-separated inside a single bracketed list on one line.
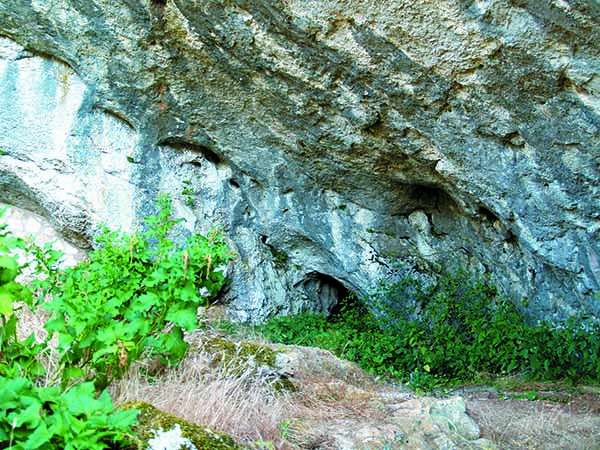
[(136, 294), (34, 417), (457, 329)]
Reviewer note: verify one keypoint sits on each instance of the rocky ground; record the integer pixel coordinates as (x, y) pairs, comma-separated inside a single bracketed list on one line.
[(287, 397), (519, 423)]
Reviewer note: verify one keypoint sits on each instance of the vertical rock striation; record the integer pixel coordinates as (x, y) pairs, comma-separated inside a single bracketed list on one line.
[(330, 139)]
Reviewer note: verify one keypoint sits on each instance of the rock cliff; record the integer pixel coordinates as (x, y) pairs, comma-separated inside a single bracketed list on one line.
[(330, 139)]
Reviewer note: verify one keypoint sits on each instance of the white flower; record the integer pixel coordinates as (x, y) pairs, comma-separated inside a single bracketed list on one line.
[(204, 292), (170, 440)]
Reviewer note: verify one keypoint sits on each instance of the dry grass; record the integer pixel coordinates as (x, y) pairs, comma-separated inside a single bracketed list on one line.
[(537, 425), (245, 407), (335, 400), (248, 407)]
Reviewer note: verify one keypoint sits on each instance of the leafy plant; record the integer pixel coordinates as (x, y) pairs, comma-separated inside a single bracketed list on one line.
[(455, 330), (188, 193), (10, 290), (136, 294), (34, 417), (16, 357)]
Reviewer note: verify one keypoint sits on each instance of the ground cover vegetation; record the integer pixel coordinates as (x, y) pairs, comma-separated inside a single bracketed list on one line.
[(133, 297), (456, 330)]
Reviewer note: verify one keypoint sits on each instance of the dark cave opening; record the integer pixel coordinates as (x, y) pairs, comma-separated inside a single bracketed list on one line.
[(487, 214), (426, 193), (427, 197), (324, 292)]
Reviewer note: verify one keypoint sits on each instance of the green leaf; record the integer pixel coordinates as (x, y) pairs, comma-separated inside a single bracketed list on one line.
[(188, 293), (9, 269), (80, 399), (38, 438), (108, 336), (30, 416), (174, 345), (110, 350), (124, 419), (147, 301), (73, 373), (185, 317), (6, 304), (55, 324)]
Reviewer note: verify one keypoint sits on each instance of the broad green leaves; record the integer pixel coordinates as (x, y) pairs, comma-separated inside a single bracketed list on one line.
[(9, 268), (10, 291), (47, 418), (135, 295), (16, 357), (33, 417), (6, 303), (184, 318)]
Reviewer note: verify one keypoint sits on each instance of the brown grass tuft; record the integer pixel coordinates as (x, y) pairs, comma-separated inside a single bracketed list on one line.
[(245, 407), (537, 425)]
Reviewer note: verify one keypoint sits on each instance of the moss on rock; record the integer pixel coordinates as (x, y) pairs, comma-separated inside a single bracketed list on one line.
[(284, 384), (239, 356), (152, 421)]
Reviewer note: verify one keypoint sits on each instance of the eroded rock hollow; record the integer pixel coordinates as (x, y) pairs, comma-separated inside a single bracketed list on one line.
[(331, 140)]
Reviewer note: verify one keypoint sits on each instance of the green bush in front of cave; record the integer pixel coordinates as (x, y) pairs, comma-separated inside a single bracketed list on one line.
[(40, 417), (456, 330)]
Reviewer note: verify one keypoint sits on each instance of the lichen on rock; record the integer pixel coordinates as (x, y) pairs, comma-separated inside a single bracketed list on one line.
[(172, 439), (239, 355)]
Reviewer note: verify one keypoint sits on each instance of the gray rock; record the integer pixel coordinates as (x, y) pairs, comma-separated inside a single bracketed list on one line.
[(329, 139), (450, 415)]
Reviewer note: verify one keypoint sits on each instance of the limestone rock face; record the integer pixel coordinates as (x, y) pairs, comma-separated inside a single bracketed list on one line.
[(330, 139)]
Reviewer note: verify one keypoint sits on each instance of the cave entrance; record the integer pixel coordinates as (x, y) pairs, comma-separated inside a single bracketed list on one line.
[(323, 292)]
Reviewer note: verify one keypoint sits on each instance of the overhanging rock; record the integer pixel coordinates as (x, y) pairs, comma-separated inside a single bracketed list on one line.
[(333, 138)]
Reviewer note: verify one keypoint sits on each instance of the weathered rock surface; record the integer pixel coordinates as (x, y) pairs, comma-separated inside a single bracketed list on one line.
[(330, 139), (26, 224), (338, 406)]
